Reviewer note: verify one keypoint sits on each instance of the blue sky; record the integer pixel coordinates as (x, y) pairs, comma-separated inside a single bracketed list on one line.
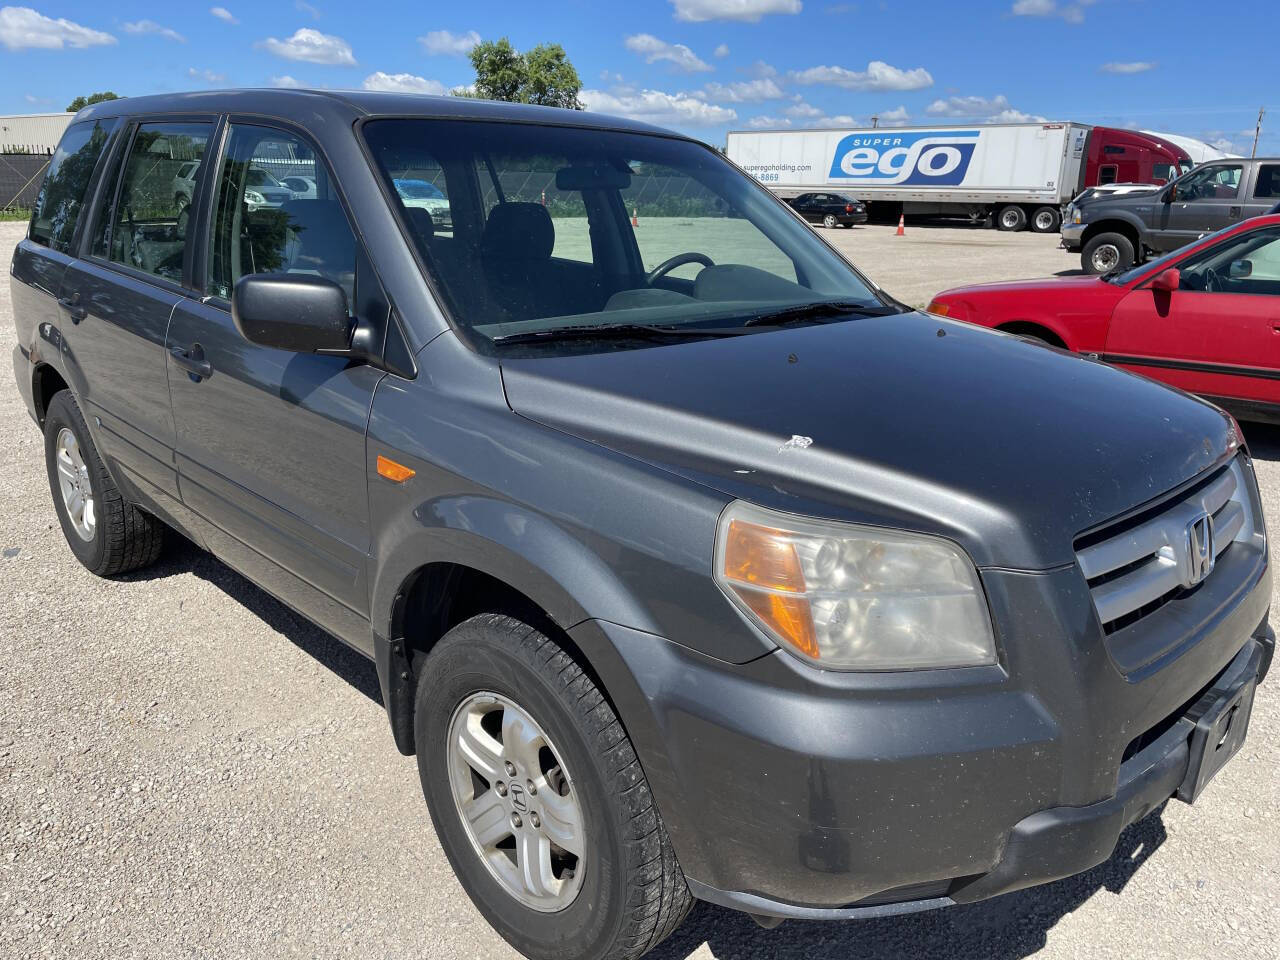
[(701, 66)]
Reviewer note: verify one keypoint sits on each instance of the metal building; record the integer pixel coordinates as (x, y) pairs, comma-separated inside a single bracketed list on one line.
[(33, 132)]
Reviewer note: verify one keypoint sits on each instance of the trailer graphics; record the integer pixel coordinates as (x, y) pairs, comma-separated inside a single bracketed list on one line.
[(934, 157)]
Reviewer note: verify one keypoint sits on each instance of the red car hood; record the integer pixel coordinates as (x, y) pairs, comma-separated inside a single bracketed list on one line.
[(1052, 286)]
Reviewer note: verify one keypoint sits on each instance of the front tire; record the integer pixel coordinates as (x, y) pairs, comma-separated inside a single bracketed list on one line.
[(829, 221), (1107, 252), (107, 534), (566, 858)]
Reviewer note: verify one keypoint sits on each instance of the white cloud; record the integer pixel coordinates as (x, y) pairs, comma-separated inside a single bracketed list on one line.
[(765, 121), (839, 120), (312, 46), (749, 11), (761, 69), (207, 76), (878, 76), (654, 106), (895, 117), (285, 81), (442, 42), (1015, 116), (967, 106), (745, 91), (307, 8), (1071, 12), (150, 26), (653, 50), (1132, 66), (223, 14), (721, 51), (403, 83), (21, 28), (802, 110)]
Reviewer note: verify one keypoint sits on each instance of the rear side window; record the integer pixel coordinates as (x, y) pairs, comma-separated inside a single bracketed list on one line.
[(1268, 187), (148, 224), (57, 208), (276, 212)]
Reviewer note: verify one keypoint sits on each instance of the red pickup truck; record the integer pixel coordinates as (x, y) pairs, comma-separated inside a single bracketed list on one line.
[(1205, 318)]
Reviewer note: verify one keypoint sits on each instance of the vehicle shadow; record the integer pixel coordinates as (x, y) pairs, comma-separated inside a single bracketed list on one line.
[(1077, 272), (1263, 440), (182, 556), (1010, 927)]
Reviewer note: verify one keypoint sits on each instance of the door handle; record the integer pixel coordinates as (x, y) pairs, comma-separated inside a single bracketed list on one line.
[(192, 361), (1233, 212), (71, 304)]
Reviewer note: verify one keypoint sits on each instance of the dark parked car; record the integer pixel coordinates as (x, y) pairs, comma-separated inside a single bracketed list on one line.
[(1117, 231), (692, 564), (830, 209)]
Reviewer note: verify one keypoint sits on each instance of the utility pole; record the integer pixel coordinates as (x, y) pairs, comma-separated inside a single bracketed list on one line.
[(875, 122), (1258, 131)]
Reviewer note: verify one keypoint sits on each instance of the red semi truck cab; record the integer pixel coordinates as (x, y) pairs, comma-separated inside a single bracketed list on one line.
[(1128, 156)]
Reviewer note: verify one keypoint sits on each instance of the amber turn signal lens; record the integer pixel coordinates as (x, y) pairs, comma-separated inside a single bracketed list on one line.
[(939, 309), (395, 472), (790, 617), (762, 557)]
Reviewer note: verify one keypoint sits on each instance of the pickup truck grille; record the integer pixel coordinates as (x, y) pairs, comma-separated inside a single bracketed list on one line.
[(1136, 568)]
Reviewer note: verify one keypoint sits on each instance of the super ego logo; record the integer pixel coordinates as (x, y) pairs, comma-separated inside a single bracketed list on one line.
[(938, 157)]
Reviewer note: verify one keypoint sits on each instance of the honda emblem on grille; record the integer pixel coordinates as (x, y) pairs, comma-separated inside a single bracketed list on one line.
[(1200, 553)]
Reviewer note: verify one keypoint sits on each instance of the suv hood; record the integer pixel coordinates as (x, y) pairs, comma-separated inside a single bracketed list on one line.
[(1010, 448)]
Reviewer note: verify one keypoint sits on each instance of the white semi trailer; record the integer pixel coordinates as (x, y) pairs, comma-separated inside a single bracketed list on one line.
[(1009, 175)]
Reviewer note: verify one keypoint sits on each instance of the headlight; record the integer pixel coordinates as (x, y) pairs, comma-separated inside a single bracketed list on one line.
[(253, 196), (850, 597)]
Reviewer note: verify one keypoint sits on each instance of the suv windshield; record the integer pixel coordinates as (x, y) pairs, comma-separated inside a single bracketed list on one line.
[(554, 232)]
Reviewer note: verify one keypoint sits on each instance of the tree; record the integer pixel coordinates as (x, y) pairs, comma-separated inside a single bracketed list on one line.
[(544, 75), (79, 103)]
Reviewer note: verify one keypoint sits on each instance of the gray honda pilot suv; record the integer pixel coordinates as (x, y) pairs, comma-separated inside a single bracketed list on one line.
[(693, 564)]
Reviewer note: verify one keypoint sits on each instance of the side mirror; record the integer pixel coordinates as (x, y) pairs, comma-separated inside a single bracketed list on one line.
[(1167, 281), (1240, 269), (301, 313)]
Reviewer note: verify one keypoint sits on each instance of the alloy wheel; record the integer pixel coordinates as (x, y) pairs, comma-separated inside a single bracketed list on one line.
[(73, 482), (516, 801)]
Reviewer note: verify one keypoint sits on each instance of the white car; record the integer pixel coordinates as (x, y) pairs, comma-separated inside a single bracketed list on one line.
[(427, 196)]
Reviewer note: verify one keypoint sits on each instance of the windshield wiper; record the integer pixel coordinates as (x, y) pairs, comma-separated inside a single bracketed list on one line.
[(816, 311), (618, 331)]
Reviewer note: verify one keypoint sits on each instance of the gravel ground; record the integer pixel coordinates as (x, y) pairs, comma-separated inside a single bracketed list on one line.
[(189, 770)]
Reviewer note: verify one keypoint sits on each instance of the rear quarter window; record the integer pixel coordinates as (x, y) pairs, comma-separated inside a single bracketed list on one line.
[(62, 195)]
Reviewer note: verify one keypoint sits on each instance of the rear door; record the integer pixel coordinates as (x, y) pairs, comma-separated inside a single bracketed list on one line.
[(124, 291), (1206, 200), (270, 443), (1219, 334)]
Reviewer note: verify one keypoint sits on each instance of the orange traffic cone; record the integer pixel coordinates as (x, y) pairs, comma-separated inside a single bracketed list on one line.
[(635, 220), (902, 222)]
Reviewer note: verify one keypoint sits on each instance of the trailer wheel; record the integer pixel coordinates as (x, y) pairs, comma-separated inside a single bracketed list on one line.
[(1011, 218), (1046, 220)]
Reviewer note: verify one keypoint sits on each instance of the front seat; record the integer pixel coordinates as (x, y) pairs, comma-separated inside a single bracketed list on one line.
[(515, 252)]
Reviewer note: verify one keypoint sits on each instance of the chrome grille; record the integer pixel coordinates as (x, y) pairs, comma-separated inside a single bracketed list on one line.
[(1138, 569)]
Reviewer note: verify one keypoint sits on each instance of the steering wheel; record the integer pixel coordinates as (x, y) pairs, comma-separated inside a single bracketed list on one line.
[(679, 260)]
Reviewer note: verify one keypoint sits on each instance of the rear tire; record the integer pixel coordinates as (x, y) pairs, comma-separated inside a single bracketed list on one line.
[(1107, 252), (1046, 220), (622, 891), (107, 534), (1011, 218)]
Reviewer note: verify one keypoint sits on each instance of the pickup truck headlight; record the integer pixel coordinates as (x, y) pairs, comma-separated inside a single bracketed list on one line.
[(850, 597)]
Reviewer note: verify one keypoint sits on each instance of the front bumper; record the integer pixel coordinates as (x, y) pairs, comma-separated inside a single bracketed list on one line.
[(1072, 235), (792, 792)]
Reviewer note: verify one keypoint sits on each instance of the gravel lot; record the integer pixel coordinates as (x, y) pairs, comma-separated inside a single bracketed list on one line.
[(189, 770)]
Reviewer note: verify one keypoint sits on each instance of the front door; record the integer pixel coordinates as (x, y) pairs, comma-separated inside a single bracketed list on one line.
[(1218, 334), (270, 443), (1205, 201)]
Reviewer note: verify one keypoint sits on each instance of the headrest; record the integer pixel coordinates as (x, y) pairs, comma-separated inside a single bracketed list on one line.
[(519, 231), (319, 215), (421, 224)]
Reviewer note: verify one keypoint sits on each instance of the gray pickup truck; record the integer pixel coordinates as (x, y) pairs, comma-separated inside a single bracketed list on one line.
[(1115, 232)]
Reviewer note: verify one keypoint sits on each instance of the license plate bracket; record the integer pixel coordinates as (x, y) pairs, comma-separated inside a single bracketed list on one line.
[(1221, 724)]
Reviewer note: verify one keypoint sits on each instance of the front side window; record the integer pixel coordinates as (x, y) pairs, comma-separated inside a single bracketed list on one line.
[(560, 232), (57, 208), (148, 220), (1219, 182), (1246, 263), (262, 224)]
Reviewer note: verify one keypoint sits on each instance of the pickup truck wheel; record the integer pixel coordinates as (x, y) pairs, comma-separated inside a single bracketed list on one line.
[(538, 798), (107, 534), (1107, 252), (1045, 220), (1011, 218)]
